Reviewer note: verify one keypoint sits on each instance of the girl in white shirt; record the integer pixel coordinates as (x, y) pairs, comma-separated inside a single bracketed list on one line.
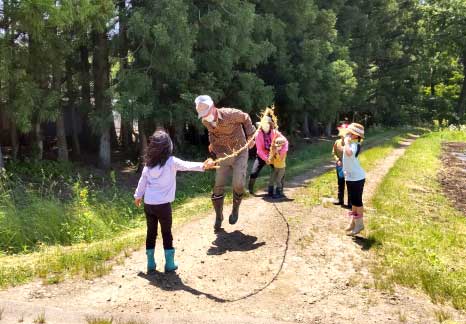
[(158, 186), (355, 176)]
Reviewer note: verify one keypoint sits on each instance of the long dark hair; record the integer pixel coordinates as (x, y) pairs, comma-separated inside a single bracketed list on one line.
[(158, 151)]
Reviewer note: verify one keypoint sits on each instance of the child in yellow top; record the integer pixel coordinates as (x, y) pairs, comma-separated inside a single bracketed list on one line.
[(277, 158)]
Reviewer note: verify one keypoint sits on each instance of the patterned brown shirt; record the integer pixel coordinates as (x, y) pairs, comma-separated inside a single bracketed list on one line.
[(232, 129)]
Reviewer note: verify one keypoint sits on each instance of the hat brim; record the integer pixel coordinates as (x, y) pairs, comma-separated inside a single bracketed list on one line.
[(345, 131)]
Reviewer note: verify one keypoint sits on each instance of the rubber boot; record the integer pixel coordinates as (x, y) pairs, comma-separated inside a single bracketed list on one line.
[(351, 223), (217, 201), (235, 211), (252, 181), (270, 191), (170, 264), (358, 225), (150, 260), (339, 202), (278, 193)]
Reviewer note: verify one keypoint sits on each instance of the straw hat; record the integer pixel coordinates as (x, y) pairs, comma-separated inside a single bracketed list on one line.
[(353, 128)]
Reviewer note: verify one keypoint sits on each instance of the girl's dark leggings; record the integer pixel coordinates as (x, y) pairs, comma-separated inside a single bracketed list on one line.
[(355, 189), (257, 167), (159, 214)]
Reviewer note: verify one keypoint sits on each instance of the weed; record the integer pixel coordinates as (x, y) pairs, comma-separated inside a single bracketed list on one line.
[(40, 319), (97, 320), (402, 318), (101, 320), (442, 315)]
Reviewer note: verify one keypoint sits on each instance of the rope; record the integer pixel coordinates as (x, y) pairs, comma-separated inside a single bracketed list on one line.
[(217, 299)]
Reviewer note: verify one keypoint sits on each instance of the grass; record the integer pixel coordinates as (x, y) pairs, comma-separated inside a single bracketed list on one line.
[(44, 208), (100, 221), (40, 319), (420, 236), (442, 316), (101, 320)]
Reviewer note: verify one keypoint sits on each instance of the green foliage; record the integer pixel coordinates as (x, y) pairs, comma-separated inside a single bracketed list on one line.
[(398, 62), (47, 204)]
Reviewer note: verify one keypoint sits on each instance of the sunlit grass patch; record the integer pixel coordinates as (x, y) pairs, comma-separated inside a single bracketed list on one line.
[(421, 235)]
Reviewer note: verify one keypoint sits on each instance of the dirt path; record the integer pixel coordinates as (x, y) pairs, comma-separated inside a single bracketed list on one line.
[(281, 263)]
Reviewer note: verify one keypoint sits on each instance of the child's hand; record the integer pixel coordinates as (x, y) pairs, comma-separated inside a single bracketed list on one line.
[(137, 202), (209, 164), (347, 139)]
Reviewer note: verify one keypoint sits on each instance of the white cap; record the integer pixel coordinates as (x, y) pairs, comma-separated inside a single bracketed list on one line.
[(205, 99)]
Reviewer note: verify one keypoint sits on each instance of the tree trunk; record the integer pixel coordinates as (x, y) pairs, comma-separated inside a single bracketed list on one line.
[(1, 158), (432, 83), (122, 36), (104, 150), (126, 138), (101, 69), (61, 137), (142, 136), (38, 144), (60, 122), (85, 77), (85, 106), (75, 145), (113, 134), (142, 144), (328, 129), (461, 107), (14, 139), (306, 131), (315, 128), (126, 135)]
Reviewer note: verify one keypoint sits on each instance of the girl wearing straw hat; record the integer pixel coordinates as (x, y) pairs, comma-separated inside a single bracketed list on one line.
[(337, 152), (354, 176)]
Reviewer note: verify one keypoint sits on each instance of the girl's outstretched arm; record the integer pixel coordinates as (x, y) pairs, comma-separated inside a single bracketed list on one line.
[(181, 165)]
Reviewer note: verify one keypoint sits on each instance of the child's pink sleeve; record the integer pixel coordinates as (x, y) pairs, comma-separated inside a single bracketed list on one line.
[(141, 188), (260, 147)]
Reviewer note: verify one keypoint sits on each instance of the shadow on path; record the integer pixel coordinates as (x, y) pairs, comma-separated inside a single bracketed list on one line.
[(233, 241)]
